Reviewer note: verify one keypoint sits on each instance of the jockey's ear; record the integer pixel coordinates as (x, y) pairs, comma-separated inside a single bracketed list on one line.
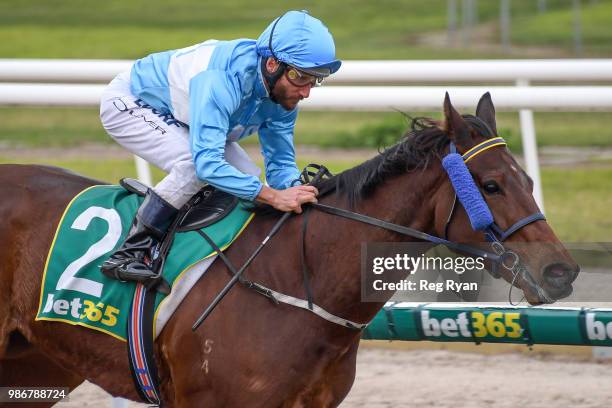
[(272, 65), (486, 111), (457, 129)]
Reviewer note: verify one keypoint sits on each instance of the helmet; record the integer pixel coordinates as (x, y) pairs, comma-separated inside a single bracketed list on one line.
[(302, 41)]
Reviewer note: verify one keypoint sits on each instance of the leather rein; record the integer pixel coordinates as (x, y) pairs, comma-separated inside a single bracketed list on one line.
[(498, 256)]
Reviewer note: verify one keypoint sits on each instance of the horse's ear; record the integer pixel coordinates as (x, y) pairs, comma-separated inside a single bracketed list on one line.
[(458, 130), (486, 111)]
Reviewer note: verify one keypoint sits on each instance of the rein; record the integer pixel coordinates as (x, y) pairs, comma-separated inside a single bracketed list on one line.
[(407, 231), (465, 190), (493, 233)]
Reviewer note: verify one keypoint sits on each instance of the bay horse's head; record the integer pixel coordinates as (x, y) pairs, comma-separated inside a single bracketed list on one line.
[(457, 184), (536, 261)]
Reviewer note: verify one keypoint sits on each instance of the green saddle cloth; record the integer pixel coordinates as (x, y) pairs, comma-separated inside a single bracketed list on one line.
[(93, 225)]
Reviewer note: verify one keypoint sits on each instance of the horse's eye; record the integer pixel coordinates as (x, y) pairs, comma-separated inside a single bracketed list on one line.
[(491, 187)]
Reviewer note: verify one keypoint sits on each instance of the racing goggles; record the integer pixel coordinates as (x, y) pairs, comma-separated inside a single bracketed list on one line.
[(300, 78)]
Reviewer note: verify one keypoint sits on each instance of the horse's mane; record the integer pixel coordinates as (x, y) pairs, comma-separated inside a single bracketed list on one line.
[(425, 140)]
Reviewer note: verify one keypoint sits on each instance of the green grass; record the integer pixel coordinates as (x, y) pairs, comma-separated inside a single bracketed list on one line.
[(46, 127), (577, 201), (353, 129), (560, 129), (117, 29), (109, 171), (557, 28), (363, 29)]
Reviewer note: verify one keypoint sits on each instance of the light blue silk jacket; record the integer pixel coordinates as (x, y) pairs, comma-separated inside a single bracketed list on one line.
[(216, 88)]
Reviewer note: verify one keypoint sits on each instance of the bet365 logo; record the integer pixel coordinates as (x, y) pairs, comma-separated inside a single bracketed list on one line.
[(86, 310), (493, 324), (597, 329)]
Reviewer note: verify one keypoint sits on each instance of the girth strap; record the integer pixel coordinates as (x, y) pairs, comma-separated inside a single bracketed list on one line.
[(278, 297), (140, 345), (319, 311)]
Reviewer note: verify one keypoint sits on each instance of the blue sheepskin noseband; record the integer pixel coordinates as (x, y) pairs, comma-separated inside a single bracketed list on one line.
[(469, 195)]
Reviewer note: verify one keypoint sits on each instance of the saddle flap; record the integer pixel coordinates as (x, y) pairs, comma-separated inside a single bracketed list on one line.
[(213, 207), (134, 186)]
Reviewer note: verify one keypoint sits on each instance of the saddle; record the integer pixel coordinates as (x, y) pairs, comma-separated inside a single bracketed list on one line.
[(207, 207)]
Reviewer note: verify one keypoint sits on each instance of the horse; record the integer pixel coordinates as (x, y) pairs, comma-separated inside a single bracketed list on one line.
[(250, 351)]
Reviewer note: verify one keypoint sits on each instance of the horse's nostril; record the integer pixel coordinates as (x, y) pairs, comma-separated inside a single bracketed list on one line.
[(559, 275)]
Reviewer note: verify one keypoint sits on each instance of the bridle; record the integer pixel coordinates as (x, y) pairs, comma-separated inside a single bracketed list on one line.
[(494, 233), (498, 256)]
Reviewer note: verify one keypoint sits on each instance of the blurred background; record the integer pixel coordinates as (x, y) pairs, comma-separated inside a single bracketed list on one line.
[(575, 147)]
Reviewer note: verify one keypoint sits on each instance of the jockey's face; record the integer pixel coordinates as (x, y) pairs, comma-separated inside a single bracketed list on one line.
[(285, 92)]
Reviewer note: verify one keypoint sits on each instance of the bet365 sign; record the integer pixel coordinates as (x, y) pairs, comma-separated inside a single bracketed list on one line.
[(598, 328)]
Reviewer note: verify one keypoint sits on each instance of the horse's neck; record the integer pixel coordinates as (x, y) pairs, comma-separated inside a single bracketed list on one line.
[(335, 256)]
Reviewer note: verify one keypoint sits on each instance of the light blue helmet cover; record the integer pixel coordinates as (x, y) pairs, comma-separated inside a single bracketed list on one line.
[(302, 41)]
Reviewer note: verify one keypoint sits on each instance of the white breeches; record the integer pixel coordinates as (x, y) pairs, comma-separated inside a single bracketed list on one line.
[(160, 140)]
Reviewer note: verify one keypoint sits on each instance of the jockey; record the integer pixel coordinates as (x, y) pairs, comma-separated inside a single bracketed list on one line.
[(185, 110)]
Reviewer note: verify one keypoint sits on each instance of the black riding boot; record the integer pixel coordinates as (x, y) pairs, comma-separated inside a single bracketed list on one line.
[(133, 261)]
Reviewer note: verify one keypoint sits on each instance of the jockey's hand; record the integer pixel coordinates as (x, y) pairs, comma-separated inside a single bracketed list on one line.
[(290, 199)]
